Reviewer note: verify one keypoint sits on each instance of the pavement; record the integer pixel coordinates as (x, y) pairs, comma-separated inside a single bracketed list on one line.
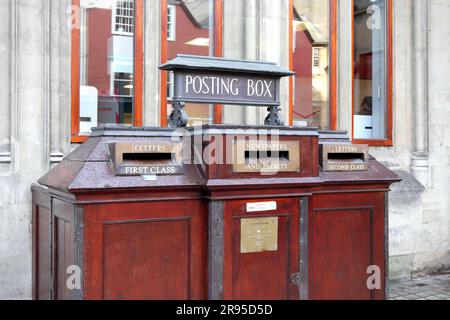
[(426, 288)]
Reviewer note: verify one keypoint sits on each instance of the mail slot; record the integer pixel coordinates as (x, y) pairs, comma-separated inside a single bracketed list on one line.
[(146, 158), (212, 212), (269, 156), (126, 215), (344, 157)]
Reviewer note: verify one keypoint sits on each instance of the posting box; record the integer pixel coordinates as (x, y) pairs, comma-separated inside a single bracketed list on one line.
[(128, 213), (212, 212)]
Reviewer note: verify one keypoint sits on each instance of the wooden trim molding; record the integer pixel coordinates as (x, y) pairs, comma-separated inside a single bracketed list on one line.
[(388, 142), (218, 49), (163, 73), (75, 69), (218, 46), (333, 63), (291, 62), (75, 72), (333, 8), (138, 62)]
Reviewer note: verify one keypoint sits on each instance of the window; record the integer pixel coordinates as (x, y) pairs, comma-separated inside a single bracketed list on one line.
[(123, 17), (106, 69), (372, 114), (312, 58), (316, 57), (192, 27), (171, 22)]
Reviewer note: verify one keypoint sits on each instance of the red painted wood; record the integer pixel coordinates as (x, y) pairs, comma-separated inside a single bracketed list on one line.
[(63, 247), (43, 246), (346, 237), (145, 251), (138, 255), (262, 275)]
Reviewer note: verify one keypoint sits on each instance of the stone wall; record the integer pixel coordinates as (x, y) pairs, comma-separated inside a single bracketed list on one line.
[(35, 117)]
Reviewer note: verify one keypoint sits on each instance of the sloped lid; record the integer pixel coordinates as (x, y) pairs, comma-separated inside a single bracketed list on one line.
[(184, 61), (89, 167)]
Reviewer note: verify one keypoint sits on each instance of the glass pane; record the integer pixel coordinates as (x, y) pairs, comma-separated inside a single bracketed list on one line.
[(370, 69), (106, 63), (189, 32), (311, 63)]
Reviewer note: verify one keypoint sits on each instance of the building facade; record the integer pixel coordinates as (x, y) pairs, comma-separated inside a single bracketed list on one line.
[(378, 69)]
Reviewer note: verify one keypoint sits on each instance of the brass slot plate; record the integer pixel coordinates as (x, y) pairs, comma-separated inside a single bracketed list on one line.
[(139, 168), (343, 165), (259, 234), (268, 165)]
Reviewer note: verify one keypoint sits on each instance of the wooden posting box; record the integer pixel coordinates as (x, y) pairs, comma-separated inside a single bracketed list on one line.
[(125, 209), (218, 212)]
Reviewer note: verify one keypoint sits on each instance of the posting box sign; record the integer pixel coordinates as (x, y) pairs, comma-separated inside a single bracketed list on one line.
[(226, 88)]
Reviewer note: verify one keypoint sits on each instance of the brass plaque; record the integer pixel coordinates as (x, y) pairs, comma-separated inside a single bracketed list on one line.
[(259, 235), (254, 156)]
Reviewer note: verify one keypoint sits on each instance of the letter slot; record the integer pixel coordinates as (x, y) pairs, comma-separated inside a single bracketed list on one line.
[(139, 159), (344, 157)]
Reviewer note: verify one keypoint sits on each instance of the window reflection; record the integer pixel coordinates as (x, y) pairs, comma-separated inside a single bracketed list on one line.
[(311, 63), (188, 32), (370, 69), (106, 63)]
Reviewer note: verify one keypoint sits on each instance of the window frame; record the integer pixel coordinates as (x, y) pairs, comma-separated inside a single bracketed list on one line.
[(333, 9), (218, 45), (172, 34), (388, 142), (113, 21), (75, 70)]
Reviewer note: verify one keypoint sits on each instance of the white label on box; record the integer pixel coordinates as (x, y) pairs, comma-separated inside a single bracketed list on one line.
[(261, 206)]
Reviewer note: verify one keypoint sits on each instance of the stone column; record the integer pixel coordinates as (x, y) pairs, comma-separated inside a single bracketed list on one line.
[(234, 47), (152, 59), (6, 43), (251, 50), (344, 68), (419, 159)]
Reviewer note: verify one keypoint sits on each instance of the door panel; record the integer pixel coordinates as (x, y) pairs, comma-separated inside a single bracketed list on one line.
[(264, 273)]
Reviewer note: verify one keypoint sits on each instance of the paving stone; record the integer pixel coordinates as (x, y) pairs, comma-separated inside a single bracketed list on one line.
[(427, 288)]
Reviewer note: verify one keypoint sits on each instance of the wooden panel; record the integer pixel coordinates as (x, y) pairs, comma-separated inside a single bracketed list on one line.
[(340, 254), (41, 244), (42, 239), (262, 275), (147, 259), (63, 248), (346, 236), (63, 257), (145, 250)]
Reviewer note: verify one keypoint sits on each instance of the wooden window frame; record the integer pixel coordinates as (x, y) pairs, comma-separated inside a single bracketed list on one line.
[(388, 142), (138, 70), (333, 8), (218, 45)]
